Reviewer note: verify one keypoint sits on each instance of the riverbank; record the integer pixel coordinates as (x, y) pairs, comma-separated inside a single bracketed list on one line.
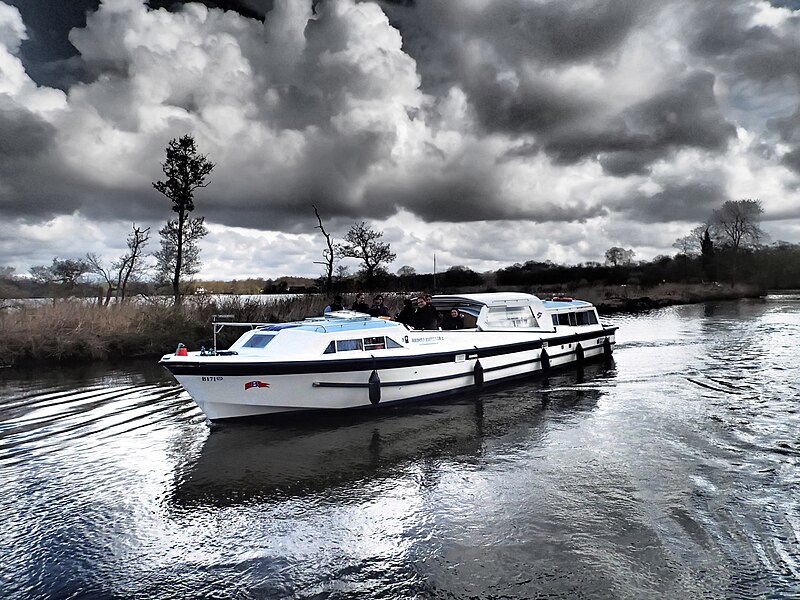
[(74, 331), (634, 298)]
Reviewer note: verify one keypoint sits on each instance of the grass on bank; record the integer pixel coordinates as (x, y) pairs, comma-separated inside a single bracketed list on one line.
[(73, 330)]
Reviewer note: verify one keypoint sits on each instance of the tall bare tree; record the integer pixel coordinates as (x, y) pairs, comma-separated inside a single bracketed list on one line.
[(131, 264), (185, 171), (738, 223), (363, 242), (126, 268), (329, 253)]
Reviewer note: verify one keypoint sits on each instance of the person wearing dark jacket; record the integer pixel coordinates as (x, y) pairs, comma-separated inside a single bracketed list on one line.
[(378, 309), (426, 316), (406, 316), (359, 305), (453, 320)]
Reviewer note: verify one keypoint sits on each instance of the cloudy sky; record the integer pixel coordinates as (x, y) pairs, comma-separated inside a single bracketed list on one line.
[(487, 132)]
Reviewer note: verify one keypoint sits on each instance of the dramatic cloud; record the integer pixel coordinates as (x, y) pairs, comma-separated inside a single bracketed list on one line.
[(486, 131)]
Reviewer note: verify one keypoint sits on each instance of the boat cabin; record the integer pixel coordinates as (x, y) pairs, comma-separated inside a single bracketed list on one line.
[(507, 311)]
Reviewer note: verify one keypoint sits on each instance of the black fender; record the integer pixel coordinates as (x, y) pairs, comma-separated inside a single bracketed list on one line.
[(374, 388), (477, 374), (579, 354), (544, 358)]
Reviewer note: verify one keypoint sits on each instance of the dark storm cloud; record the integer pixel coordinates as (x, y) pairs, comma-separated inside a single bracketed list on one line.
[(558, 31), (434, 33), (467, 192), (683, 200), (22, 133), (684, 116), (534, 107), (724, 32), (792, 159), (570, 126)]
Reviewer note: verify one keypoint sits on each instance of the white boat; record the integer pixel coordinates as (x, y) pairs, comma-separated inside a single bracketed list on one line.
[(346, 360)]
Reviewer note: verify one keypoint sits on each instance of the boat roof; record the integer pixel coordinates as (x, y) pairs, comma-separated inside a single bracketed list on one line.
[(486, 299), (332, 322), (557, 304)]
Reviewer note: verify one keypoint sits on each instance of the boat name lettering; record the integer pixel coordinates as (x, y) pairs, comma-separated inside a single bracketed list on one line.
[(210, 378), (430, 338)]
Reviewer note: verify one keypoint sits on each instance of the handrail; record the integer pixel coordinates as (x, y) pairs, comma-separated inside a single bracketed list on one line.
[(220, 325)]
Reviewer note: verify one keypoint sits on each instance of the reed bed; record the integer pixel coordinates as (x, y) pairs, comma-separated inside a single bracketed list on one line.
[(73, 330)]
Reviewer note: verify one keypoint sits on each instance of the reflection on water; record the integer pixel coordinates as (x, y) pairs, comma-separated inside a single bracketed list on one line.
[(671, 473), (243, 462)]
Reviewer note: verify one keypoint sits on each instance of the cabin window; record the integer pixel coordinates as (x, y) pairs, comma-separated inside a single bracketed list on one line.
[(510, 317), (375, 343), (258, 341), (331, 349), (390, 343), (587, 317), (347, 345), (563, 318)]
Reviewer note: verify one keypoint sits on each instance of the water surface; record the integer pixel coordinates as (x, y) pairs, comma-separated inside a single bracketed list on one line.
[(671, 473)]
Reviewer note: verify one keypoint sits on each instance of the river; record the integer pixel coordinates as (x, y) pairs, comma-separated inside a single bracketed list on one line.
[(673, 472)]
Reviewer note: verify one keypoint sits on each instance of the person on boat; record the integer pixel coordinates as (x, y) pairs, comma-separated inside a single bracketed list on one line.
[(426, 316), (453, 320), (359, 305), (406, 316), (378, 309), (335, 305)]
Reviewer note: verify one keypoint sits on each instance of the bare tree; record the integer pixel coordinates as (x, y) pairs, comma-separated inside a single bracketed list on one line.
[(738, 223), (131, 265), (185, 172), (96, 266), (126, 268), (328, 253), (363, 242), (738, 227)]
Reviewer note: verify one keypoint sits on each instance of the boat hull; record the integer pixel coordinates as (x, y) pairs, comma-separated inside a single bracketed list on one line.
[(235, 389)]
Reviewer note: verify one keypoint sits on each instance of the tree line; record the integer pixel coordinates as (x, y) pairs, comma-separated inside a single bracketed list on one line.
[(728, 246)]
